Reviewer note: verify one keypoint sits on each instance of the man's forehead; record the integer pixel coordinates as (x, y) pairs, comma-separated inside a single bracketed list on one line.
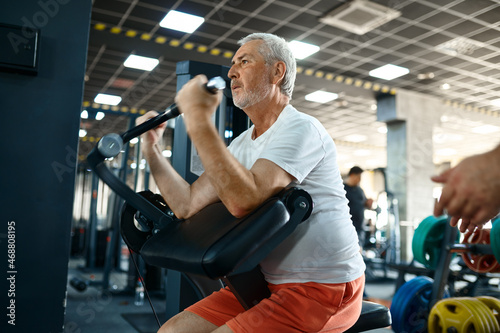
[(249, 48)]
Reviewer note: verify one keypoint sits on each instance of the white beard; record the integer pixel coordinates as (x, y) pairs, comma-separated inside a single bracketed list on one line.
[(248, 98)]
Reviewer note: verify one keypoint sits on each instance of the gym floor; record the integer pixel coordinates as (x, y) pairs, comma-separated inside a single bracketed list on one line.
[(93, 311)]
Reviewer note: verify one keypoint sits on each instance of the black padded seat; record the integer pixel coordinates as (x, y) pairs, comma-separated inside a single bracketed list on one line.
[(215, 244), (372, 316)]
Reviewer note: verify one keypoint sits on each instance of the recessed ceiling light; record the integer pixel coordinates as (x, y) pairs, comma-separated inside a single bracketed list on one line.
[(321, 96), (82, 133), (425, 76), (84, 114), (382, 129), (356, 138), (302, 50), (107, 99), (167, 153), (485, 129), (99, 115), (181, 21), (445, 86), (496, 102), (389, 72), (139, 62)]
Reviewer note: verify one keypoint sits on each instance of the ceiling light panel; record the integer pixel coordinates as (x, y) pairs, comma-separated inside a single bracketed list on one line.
[(302, 50), (139, 62), (181, 21), (389, 72), (107, 99), (320, 96), (496, 102)]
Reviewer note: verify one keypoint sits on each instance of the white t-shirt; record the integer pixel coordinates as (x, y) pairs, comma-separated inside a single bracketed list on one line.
[(324, 248)]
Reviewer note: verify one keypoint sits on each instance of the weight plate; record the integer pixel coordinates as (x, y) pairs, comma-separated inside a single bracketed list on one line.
[(493, 304), (495, 238), (428, 239), (410, 305), (452, 315), (481, 263), (463, 315), (484, 314)]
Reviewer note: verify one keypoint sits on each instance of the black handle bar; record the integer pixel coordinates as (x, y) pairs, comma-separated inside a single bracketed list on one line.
[(111, 145)]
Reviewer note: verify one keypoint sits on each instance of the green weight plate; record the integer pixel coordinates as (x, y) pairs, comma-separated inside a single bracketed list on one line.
[(419, 238), (428, 239), (495, 239)]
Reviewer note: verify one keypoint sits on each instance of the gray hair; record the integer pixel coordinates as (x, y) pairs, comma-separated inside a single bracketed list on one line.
[(275, 49)]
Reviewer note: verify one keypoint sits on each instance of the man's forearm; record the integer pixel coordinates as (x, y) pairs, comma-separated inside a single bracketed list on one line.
[(174, 189)]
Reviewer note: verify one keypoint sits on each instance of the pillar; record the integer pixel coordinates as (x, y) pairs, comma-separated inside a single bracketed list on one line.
[(410, 119)]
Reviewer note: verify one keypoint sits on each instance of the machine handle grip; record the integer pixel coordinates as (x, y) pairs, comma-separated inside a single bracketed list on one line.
[(212, 86)]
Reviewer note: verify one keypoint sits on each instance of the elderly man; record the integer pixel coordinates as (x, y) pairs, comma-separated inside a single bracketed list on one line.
[(316, 276)]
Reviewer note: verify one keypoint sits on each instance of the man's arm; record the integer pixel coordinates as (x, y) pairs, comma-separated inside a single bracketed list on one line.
[(184, 199)]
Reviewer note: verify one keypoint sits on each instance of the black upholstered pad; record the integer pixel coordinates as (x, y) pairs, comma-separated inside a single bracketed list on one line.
[(372, 316), (214, 243)]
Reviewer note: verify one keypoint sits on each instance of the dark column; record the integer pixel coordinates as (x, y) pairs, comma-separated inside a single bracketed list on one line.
[(39, 138)]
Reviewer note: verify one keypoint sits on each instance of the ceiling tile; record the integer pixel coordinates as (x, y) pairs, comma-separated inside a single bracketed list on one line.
[(412, 32), (436, 39), (224, 17), (490, 16), (440, 19), (278, 12), (486, 36), (495, 61), (466, 28), (259, 25), (470, 7), (306, 20), (415, 10)]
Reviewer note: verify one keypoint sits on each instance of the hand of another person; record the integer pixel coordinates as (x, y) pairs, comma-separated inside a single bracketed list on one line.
[(471, 190)]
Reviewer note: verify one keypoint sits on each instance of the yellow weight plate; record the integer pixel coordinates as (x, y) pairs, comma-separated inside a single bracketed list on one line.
[(465, 315), (493, 304)]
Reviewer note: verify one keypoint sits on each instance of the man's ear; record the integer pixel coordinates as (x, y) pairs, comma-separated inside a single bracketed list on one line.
[(278, 72)]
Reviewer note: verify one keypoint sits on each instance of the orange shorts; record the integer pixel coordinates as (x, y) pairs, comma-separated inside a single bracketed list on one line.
[(292, 307)]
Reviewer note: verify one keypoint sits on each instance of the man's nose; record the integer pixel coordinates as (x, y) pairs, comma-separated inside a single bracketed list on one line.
[(232, 72)]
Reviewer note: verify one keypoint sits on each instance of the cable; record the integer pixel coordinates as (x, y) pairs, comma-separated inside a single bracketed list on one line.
[(144, 285)]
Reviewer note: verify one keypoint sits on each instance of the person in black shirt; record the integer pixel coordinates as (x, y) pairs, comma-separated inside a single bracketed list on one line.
[(357, 201)]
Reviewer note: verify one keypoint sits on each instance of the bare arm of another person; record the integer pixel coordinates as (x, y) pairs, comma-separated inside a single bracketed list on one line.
[(471, 190)]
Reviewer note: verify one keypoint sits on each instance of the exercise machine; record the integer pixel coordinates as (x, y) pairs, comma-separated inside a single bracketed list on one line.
[(212, 244)]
